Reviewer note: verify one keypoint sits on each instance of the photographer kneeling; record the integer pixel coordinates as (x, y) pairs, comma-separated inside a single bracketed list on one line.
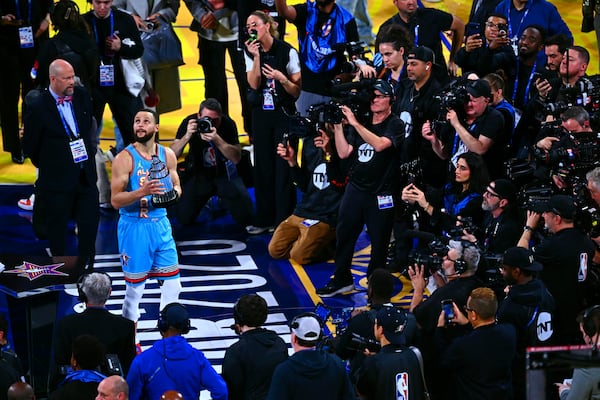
[(210, 165)]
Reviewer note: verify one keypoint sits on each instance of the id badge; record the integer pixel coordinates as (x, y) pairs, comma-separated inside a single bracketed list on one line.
[(26, 37), (309, 222), (231, 169), (107, 75), (268, 103), (385, 202), (514, 42), (78, 151)]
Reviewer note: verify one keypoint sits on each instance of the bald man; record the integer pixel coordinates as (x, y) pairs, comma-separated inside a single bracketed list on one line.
[(113, 387), (171, 395), (60, 139), (20, 391)]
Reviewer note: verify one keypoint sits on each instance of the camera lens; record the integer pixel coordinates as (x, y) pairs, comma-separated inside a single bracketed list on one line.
[(204, 125)]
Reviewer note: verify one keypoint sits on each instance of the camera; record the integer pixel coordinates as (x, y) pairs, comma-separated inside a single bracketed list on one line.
[(204, 125), (352, 51), (359, 344), (502, 29), (465, 224), (431, 257), (149, 25)]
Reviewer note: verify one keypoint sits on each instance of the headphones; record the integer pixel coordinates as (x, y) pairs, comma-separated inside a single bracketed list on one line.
[(590, 327), (81, 295), (460, 266), (238, 318), (163, 322), (295, 324)]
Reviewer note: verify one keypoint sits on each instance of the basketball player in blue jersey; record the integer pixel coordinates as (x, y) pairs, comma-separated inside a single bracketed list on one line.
[(146, 242)]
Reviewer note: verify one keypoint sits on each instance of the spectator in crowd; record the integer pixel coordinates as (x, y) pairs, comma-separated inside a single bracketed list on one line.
[(373, 148), (217, 26), (425, 25), (585, 383), (501, 222), (554, 49), (113, 388), (497, 86), (395, 371), (23, 28), (530, 43), (20, 391), (173, 364), (323, 26), (379, 293), (140, 220), (245, 7), (528, 306), (480, 131), (478, 363), (310, 372), (117, 37), (73, 43), (308, 235), (81, 383), (593, 184), (115, 332), (11, 369), (165, 81), (523, 13), (59, 138), (249, 363), (565, 256), (210, 164), (459, 198), (393, 44), (273, 73), (489, 50)]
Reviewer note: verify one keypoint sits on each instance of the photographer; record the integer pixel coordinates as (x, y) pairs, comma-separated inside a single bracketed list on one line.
[(379, 377), (480, 130), (379, 293), (565, 256), (210, 165), (308, 235), (489, 53), (373, 151)]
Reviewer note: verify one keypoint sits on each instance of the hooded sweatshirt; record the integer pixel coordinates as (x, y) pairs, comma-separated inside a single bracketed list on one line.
[(311, 374), (173, 364)]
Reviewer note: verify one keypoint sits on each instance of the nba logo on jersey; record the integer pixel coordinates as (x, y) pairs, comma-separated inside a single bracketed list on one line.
[(402, 386)]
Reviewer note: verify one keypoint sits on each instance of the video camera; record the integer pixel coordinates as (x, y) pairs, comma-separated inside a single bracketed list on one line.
[(353, 51), (454, 98), (430, 257)]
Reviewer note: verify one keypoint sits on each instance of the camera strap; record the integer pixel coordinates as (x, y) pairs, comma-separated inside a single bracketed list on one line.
[(417, 353)]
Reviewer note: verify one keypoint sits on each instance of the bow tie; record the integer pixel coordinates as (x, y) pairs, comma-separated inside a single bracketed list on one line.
[(64, 99)]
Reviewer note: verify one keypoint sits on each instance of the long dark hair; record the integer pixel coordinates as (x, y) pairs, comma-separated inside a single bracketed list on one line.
[(478, 177), (65, 15)]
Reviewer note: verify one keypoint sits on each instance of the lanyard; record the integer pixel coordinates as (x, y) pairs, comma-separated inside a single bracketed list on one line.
[(71, 135), (514, 95), (416, 42), (510, 32), (112, 27), (28, 11)]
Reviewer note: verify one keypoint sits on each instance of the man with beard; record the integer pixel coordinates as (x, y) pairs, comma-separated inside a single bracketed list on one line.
[(59, 138), (146, 243)]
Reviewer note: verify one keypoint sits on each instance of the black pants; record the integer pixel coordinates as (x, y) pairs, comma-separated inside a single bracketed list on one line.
[(15, 80), (54, 209), (212, 60), (275, 194), (358, 208), (123, 107)]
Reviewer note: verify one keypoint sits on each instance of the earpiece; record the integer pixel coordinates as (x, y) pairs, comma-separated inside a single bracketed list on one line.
[(427, 67), (590, 325), (81, 285)]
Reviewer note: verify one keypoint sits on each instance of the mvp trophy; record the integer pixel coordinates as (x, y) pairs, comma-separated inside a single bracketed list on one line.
[(159, 171)]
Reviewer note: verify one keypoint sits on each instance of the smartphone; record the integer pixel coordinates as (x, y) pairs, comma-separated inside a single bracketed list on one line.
[(472, 28), (322, 312), (502, 30), (448, 309), (252, 35)]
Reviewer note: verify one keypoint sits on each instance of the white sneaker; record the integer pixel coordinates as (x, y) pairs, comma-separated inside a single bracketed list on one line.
[(257, 230), (27, 204)]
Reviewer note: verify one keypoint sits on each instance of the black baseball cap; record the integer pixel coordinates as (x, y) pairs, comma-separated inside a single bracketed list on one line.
[(393, 320), (384, 87), (520, 257), (505, 189), (559, 204), (479, 88), (421, 53)]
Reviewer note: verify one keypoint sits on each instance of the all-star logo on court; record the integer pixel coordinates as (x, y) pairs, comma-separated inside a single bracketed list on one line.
[(34, 271)]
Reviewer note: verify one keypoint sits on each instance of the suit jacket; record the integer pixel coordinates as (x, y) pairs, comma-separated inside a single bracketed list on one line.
[(46, 143), (114, 331)]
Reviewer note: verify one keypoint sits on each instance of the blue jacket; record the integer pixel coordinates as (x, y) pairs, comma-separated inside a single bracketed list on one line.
[(536, 12), (173, 364)]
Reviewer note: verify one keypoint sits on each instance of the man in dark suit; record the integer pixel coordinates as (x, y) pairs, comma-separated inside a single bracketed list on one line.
[(115, 332), (59, 138)]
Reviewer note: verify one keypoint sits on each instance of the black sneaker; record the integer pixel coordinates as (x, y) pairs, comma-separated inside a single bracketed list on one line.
[(332, 288)]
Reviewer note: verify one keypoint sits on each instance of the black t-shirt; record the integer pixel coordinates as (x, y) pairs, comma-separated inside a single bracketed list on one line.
[(424, 28), (320, 83), (371, 171), (566, 256), (203, 157)]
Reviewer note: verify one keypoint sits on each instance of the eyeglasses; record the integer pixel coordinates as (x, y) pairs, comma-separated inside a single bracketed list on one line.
[(380, 96), (467, 309), (492, 25), (491, 194)]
